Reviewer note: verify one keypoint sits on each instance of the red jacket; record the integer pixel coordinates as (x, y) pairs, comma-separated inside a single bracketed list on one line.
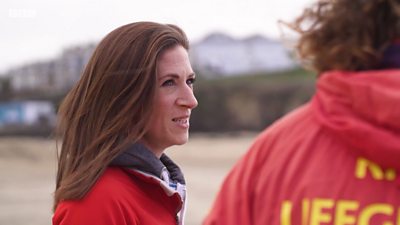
[(121, 197), (334, 160)]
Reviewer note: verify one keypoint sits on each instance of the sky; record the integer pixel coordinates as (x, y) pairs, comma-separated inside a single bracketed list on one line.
[(39, 30)]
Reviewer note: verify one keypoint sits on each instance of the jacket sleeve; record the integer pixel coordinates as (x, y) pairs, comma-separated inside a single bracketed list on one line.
[(235, 201), (78, 213)]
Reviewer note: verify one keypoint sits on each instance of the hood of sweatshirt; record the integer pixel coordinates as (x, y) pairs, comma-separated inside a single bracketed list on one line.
[(139, 158), (363, 109)]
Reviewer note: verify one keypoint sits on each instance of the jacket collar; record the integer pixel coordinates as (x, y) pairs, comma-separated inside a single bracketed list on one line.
[(391, 56), (139, 157)]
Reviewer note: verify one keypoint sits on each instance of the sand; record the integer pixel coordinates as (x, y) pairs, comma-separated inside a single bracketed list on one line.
[(28, 166)]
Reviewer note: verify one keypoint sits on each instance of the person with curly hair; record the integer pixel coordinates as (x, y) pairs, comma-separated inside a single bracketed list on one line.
[(335, 159)]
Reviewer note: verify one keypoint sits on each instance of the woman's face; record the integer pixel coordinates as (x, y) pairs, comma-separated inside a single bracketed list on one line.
[(173, 103)]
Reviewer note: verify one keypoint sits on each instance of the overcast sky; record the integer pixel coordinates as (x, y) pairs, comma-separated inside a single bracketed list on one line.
[(40, 29)]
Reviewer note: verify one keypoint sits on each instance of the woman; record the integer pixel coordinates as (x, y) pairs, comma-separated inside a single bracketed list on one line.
[(336, 159), (133, 101)]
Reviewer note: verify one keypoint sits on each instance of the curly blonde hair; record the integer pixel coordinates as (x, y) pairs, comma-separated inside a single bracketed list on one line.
[(346, 34)]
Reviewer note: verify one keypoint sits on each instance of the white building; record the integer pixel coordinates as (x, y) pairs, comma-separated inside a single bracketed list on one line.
[(71, 64), (223, 55), (55, 75), (34, 76)]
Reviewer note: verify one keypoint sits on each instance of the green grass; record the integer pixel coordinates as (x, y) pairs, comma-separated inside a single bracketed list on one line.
[(290, 76)]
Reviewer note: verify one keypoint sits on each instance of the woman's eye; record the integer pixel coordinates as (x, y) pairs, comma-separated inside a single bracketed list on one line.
[(190, 81), (168, 83)]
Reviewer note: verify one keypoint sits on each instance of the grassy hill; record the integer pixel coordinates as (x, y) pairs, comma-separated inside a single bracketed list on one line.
[(249, 102)]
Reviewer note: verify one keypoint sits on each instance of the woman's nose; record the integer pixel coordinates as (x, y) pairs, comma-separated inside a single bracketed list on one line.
[(187, 98)]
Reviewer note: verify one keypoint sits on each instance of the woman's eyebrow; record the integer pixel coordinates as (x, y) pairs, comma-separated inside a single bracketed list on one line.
[(171, 75), (175, 76)]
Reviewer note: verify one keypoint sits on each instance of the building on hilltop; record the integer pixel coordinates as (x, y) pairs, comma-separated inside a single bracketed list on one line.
[(220, 54), (71, 64), (217, 54), (57, 75), (39, 75)]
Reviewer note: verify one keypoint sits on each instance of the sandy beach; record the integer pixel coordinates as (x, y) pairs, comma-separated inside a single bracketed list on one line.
[(28, 166)]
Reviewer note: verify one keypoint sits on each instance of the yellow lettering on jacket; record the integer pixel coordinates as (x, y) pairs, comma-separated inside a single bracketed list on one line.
[(363, 165), (340, 212), (342, 216), (305, 211), (318, 211), (374, 209), (286, 210)]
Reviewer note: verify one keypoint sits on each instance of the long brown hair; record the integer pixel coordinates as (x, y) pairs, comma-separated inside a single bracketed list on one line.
[(346, 34), (109, 107)]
